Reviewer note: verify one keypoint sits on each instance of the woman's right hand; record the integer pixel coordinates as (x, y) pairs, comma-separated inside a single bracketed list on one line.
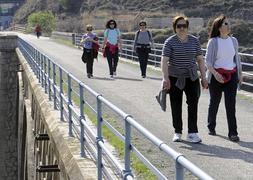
[(166, 84), (218, 77)]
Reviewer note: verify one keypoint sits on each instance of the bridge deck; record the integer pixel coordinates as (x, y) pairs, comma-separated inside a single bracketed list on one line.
[(217, 156)]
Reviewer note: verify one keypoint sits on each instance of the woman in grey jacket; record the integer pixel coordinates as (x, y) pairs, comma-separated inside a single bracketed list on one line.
[(225, 74)]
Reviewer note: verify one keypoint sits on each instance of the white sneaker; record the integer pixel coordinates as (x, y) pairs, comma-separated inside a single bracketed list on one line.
[(193, 137), (177, 137), (111, 77)]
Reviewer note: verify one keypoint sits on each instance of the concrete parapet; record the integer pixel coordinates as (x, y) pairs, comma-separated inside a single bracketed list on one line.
[(61, 149)]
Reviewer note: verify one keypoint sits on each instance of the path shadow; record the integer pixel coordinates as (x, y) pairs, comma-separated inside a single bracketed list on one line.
[(128, 79), (222, 152), (154, 78), (241, 143), (102, 78)]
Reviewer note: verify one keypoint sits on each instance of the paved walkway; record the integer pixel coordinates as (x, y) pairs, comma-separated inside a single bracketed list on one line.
[(216, 155)]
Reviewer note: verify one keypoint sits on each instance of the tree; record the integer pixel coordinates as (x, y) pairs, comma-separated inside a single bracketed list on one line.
[(45, 19)]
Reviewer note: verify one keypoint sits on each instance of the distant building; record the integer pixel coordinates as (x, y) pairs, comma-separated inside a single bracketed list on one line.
[(7, 10)]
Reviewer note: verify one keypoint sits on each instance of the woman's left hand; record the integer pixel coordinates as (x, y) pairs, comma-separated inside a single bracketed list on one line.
[(204, 83), (240, 79)]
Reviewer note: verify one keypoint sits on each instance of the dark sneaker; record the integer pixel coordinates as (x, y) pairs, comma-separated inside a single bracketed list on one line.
[(212, 132), (234, 138)]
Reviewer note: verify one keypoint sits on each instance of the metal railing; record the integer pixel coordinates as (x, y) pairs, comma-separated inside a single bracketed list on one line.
[(68, 95), (155, 55)]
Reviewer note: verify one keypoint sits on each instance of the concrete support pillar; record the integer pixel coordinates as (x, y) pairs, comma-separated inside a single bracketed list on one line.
[(8, 108)]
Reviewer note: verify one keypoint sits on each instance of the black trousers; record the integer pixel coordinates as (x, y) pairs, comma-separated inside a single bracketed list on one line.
[(192, 92), (143, 59), (229, 89), (112, 60), (87, 58)]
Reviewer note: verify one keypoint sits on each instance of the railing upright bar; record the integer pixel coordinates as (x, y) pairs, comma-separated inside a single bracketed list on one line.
[(61, 93), (48, 78), (99, 138), (69, 104), (179, 171), (127, 170), (45, 73), (82, 138), (39, 64), (42, 69), (54, 84)]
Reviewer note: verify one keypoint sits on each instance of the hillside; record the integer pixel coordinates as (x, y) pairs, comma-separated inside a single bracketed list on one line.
[(72, 14)]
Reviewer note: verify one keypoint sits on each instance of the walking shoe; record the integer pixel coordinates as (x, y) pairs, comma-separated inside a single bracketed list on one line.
[(212, 132), (89, 75), (234, 138), (114, 73), (143, 76), (193, 137), (177, 137), (111, 77)]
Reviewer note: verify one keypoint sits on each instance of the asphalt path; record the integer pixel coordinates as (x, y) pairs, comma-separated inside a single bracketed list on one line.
[(216, 155)]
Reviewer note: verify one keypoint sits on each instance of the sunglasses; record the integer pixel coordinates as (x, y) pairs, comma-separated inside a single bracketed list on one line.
[(225, 24), (89, 29), (179, 26), (112, 24), (142, 24)]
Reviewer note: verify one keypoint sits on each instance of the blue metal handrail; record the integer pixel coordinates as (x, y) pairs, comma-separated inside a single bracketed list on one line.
[(55, 79)]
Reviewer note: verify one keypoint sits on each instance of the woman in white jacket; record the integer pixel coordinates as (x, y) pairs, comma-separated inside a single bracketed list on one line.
[(225, 74)]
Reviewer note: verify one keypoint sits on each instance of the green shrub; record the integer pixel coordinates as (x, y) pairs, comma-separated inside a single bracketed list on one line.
[(45, 19)]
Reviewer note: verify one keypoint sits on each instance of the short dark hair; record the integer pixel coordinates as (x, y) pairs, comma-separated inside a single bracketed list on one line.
[(107, 26), (217, 23), (176, 19), (143, 22)]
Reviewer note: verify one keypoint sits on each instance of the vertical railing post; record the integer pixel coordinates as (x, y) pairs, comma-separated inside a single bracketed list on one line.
[(54, 84), (82, 138), (48, 78), (99, 138), (61, 94), (39, 64), (127, 170), (45, 73), (69, 104), (42, 69), (179, 171)]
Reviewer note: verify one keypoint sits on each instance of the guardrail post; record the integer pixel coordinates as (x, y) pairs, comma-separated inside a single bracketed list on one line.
[(61, 94), (42, 69), (39, 64), (69, 104), (127, 170), (48, 78), (99, 138), (54, 84), (45, 73), (82, 138), (179, 171), (74, 39)]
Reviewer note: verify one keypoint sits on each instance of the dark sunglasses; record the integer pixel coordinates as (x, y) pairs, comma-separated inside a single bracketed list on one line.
[(89, 29), (179, 26), (142, 24), (112, 24)]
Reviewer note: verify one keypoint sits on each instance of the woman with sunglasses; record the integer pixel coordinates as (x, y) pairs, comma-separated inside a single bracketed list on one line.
[(225, 74), (180, 56), (88, 55), (142, 45), (112, 44)]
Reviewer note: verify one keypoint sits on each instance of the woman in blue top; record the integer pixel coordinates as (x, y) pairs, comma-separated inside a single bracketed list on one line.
[(112, 44), (225, 74), (88, 57)]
